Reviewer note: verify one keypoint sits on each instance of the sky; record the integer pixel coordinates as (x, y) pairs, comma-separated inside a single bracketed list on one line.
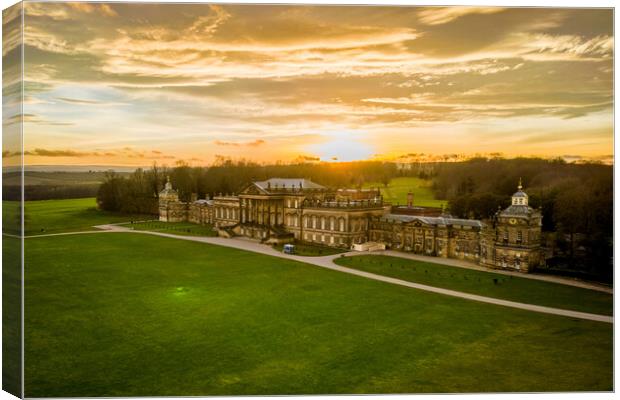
[(132, 84)]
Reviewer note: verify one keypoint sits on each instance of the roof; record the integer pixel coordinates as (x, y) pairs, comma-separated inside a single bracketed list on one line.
[(517, 210), (288, 183), (440, 221), (204, 201), (168, 190), (520, 193)]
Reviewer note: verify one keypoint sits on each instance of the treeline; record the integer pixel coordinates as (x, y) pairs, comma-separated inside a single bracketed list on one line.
[(576, 201), (137, 193)]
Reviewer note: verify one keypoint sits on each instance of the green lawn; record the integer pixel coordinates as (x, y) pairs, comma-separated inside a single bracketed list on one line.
[(53, 216), (397, 190), (483, 283), (311, 250), (11, 315), (120, 314), (177, 228)]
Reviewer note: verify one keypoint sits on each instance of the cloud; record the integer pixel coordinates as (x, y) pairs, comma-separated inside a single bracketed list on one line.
[(85, 102), (443, 15), (254, 143), (102, 9), (208, 24), (58, 153), (572, 45), (201, 77), (65, 11), (77, 101), (37, 119), (126, 152)]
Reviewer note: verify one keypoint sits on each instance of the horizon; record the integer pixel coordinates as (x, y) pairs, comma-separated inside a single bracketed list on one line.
[(129, 84), (130, 168)]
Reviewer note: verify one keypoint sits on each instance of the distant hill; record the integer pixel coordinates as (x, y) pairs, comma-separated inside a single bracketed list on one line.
[(43, 185)]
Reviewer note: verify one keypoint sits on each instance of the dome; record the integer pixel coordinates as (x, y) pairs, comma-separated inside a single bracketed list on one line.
[(520, 198), (168, 193)]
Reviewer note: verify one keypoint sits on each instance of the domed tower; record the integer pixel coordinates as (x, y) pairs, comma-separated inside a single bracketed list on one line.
[(170, 209), (168, 194), (517, 235)]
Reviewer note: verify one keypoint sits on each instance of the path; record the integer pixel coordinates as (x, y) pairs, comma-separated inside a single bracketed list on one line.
[(327, 262)]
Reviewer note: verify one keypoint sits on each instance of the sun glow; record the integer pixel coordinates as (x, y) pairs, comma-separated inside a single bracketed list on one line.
[(343, 146)]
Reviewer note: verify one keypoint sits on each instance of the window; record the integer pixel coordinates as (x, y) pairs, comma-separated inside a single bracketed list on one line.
[(519, 237)]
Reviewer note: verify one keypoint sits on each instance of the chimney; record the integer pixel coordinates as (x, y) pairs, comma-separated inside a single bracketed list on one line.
[(409, 199)]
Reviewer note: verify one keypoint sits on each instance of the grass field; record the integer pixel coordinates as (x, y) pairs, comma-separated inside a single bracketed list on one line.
[(57, 178), (53, 216), (176, 228), (482, 283), (11, 315), (397, 190), (121, 314)]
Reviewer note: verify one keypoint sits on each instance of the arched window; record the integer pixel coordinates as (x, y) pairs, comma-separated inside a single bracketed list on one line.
[(322, 222), (341, 224)]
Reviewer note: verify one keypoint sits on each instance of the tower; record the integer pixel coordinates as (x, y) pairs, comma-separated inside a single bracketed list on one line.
[(517, 235), (409, 199), (169, 205)]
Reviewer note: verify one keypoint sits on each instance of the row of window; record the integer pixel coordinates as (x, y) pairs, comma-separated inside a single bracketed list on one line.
[(519, 236), (329, 223), (313, 237), (227, 213)]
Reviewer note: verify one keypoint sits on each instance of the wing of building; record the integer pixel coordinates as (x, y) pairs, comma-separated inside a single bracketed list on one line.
[(282, 210)]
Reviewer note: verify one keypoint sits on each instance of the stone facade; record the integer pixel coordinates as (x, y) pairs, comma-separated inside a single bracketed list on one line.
[(284, 210), (516, 236), (432, 236)]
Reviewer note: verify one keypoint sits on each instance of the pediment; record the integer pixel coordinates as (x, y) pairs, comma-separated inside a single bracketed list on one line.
[(252, 189)]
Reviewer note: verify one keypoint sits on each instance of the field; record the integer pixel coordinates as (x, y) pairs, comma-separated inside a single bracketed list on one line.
[(56, 178), (123, 314), (484, 283), (397, 190), (11, 315), (126, 314), (53, 216)]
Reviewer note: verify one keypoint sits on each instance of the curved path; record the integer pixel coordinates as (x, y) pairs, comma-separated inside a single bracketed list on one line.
[(327, 262)]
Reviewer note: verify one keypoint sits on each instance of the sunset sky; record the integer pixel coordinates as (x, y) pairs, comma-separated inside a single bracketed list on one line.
[(130, 84)]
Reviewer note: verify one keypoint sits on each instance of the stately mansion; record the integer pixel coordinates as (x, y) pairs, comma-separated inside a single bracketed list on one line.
[(287, 210)]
